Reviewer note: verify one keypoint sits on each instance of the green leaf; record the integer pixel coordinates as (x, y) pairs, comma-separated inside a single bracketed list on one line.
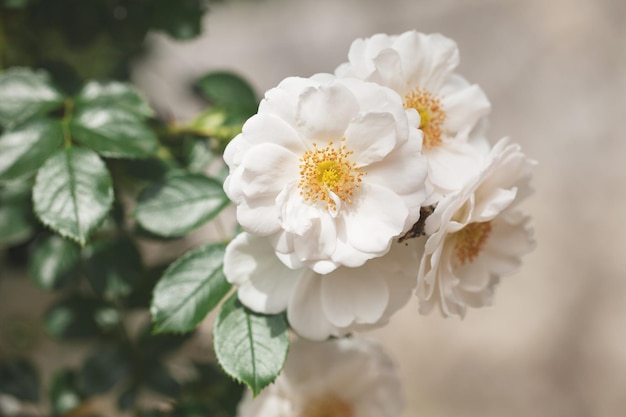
[(24, 147), (113, 132), (217, 390), (73, 318), (154, 346), (127, 398), (17, 222), (19, 378), (158, 379), (54, 263), (219, 123), (179, 204), (122, 96), (181, 19), (103, 369), (73, 193), (15, 4), (250, 347), (24, 93), (113, 267), (64, 392), (189, 289), (197, 154), (228, 90)]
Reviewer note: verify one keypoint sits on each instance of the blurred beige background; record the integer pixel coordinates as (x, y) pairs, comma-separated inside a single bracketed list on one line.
[(554, 343)]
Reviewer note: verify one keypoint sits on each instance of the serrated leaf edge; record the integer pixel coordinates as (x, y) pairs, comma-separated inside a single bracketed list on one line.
[(248, 312), (159, 329)]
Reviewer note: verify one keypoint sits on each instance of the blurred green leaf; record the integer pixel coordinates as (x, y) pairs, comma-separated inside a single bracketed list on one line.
[(113, 94), (17, 222), (250, 347), (54, 263), (127, 398), (19, 378), (213, 387), (190, 288), (179, 204), (103, 369), (141, 296), (24, 147), (113, 267), (24, 93), (73, 193), (107, 317), (113, 132), (228, 90), (73, 318), (158, 379), (219, 123), (158, 345), (147, 170), (64, 392), (15, 4), (181, 19), (197, 154)]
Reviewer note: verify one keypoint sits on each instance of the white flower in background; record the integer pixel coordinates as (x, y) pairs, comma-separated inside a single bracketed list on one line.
[(319, 306), (420, 68), (336, 378), (327, 172), (477, 235)]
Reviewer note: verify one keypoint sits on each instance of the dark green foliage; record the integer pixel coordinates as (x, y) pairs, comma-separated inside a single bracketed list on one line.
[(18, 377), (54, 263), (113, 267), (65, 394), (88, 173), (17, 222)]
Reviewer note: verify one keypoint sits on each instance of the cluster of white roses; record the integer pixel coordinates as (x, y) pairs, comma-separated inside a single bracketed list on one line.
[(359, 188)]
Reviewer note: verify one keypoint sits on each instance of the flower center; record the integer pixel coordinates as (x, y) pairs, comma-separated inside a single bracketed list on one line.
[(327, 406), (432, 115), (328, 175), (470, 240)]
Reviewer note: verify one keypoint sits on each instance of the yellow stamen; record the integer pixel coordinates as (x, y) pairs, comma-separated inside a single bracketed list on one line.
[(327, 174), (327, 406), (432, 115), (469, 241)]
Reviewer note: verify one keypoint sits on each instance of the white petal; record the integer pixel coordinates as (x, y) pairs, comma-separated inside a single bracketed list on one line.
[(378, 215), (319, 241), (296, 215), (265, 284), (235, 150), (282, 100), (428, 60), (354, 296), (269, 128), (389, 70), (305, 313), (259, 216), (402, 171), (323, 113), (451, 165), (489, 206), (371, 137), (464, 104), (268, 168)]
